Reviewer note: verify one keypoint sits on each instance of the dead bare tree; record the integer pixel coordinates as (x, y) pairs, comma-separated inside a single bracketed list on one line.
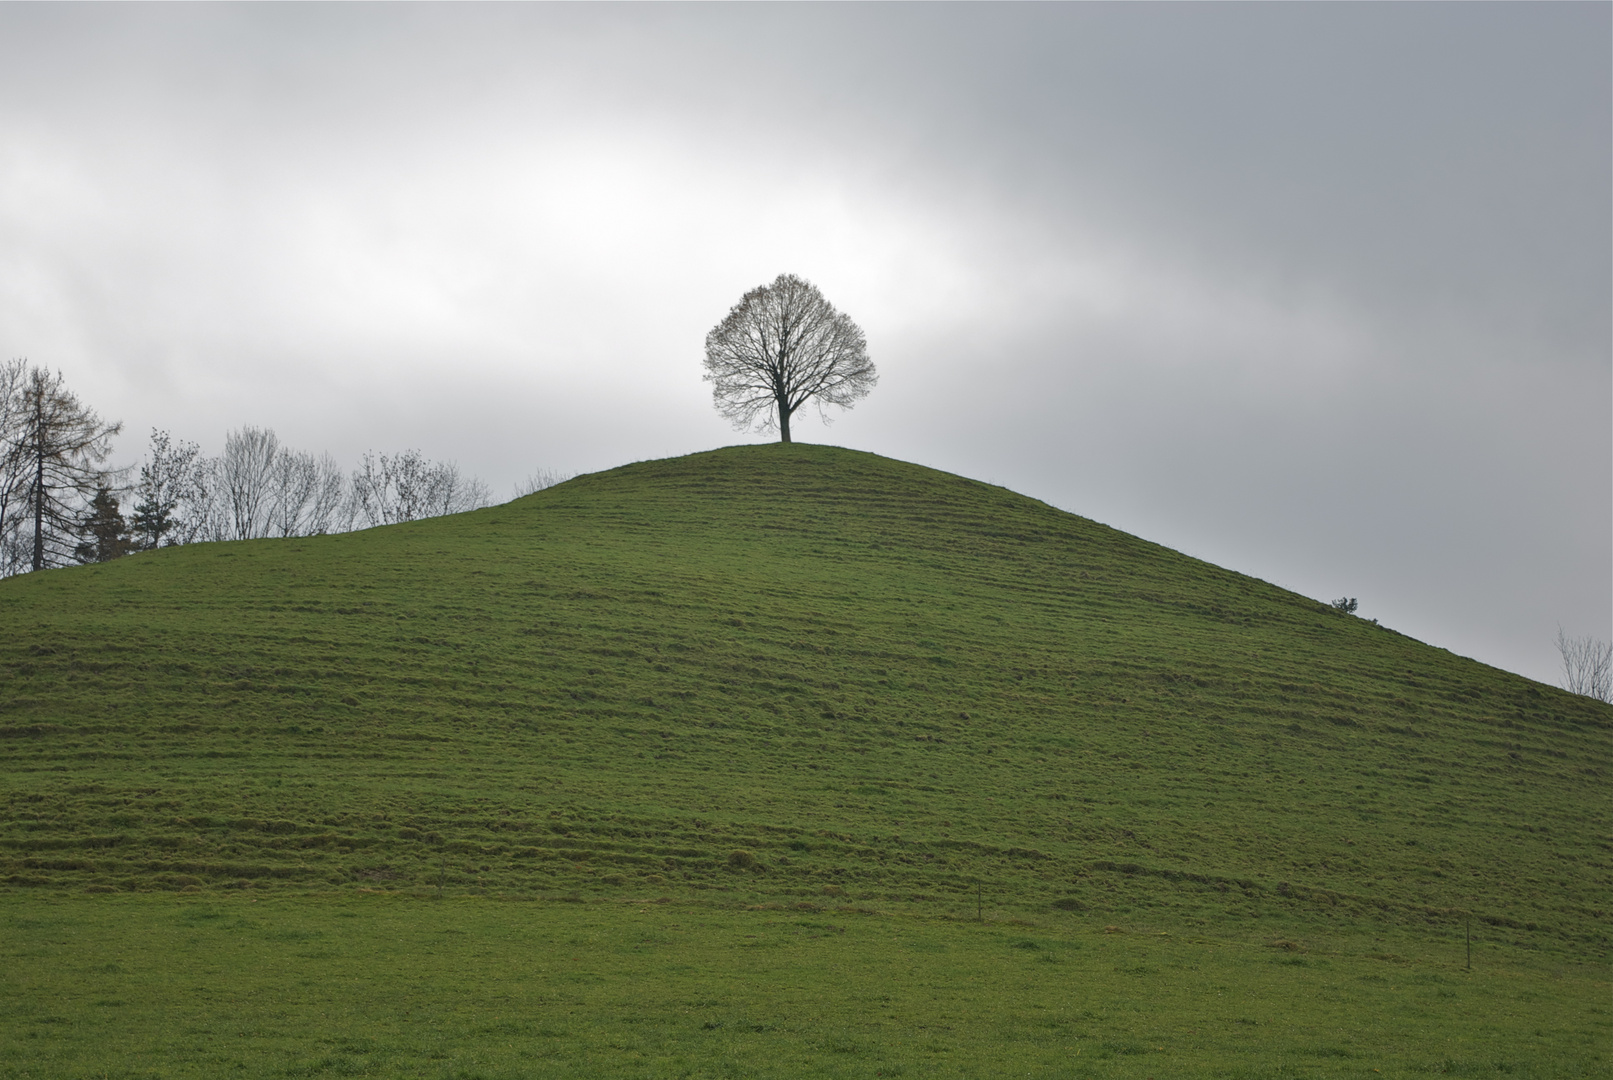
[(1587, 666), (782, 345)]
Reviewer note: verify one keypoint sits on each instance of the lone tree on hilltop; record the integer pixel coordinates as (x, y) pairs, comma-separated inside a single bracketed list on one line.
[(781, 345)]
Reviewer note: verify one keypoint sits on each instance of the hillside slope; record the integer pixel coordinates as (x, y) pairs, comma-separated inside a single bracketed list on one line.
[(775, 672)]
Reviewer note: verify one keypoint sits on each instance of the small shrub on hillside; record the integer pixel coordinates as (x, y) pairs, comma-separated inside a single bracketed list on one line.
[(741, 860), (1346, 604)]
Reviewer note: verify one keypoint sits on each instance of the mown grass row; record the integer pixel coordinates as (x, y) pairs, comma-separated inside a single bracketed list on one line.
[(770, 671)]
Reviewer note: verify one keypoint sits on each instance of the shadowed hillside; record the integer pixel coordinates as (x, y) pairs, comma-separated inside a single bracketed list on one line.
[(786, 674)]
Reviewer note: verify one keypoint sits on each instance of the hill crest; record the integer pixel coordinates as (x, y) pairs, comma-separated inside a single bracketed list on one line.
[(779, 674)]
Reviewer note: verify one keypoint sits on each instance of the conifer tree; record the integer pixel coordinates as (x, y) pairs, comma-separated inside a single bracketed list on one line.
[(106, 533), (55, 446)]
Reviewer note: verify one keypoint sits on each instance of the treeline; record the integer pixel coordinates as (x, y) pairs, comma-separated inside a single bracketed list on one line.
[(260, 488), (60, 504)]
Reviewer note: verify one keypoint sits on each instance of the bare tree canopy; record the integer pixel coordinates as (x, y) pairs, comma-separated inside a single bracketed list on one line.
[(259, 488), (172, 493), (13, 467), (244, 484), (1587, 666), (309, 493), (782, 345), (410, 486), (539, 480)]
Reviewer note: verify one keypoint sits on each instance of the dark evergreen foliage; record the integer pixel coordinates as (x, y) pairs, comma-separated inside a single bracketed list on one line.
[(106, 533)]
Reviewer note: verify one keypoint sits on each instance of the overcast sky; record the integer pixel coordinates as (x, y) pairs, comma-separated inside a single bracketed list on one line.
[(1316, 292)]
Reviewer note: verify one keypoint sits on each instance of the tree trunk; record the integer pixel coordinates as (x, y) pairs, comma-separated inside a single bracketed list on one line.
[(783, 423), (39, 493)]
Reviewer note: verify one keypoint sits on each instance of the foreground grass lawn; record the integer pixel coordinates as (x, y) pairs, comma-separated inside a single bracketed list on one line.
[(377, 985)]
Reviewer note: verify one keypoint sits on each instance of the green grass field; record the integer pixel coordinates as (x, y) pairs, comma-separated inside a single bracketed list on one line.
[(754, 692), (151, 986)]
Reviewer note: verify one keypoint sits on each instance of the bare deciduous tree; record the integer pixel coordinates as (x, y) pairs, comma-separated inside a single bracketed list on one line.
[(537, 481), (243, 485), (294, 478), (259, 488), (1587, 666), (13, 473), (409, 486), (328, 512), (308, 494), (172, 494), (782, 345), (256, 488), (50, 465)]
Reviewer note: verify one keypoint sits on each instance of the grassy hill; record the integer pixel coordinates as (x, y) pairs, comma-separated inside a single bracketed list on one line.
[(790, 678)]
